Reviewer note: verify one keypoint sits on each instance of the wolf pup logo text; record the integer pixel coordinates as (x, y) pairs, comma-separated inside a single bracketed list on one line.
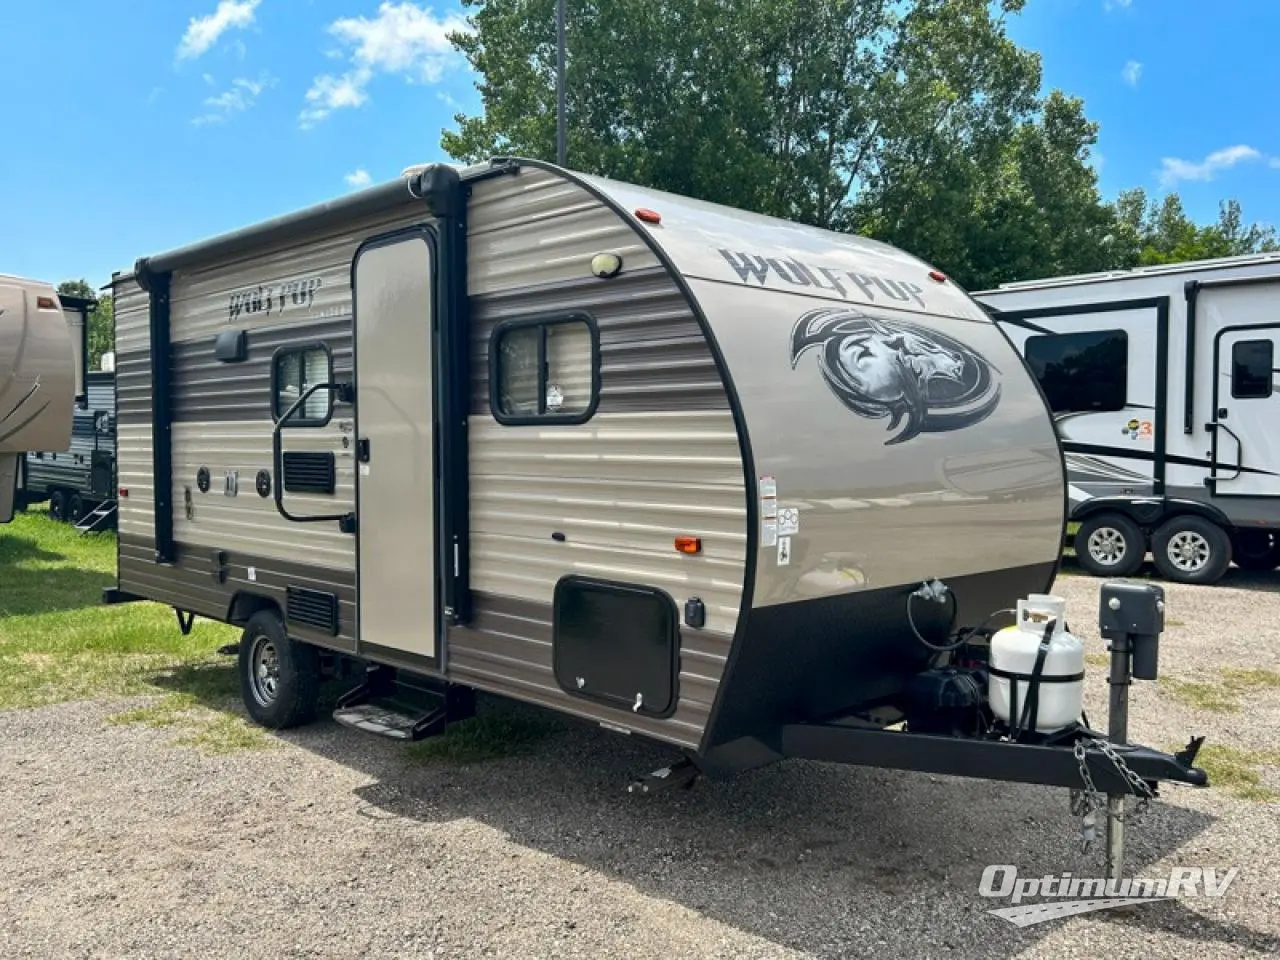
[(880, 368)]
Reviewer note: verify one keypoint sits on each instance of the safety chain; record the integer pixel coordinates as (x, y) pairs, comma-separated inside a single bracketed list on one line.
[(1086, 803)]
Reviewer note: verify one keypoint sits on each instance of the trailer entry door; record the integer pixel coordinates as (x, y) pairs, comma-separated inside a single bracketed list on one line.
[(395, 321), (1246, 424)]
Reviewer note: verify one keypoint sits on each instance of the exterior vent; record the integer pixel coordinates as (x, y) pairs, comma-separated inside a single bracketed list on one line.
[(309, 473), (312, 608)]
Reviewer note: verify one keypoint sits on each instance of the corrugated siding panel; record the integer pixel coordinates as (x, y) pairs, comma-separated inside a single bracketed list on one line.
[(136, 517), (653, 355), (305, 283), (537, 228), (248, 523), (206, 389), (507, 650)]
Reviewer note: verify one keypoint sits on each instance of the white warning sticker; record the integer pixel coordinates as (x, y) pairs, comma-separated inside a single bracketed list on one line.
[(364, 469), (769, 508), (768, 486), (788, 521), (784, 551), (768, 533)]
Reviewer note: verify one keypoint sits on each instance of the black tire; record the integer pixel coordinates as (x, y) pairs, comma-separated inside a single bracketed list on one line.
[(58, 505), (1191, 549), (1256, 550), (75, 509), (279, 676), (1110, 545)]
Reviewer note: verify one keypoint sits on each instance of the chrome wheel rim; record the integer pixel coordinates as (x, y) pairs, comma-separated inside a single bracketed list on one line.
[(1107, 546), (1188, 551), (264, 670)]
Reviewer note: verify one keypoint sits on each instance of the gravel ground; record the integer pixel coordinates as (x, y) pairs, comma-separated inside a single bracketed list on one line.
[(118, 844)]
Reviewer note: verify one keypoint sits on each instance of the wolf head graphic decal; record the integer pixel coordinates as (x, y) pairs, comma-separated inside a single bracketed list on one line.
[(880, 368)]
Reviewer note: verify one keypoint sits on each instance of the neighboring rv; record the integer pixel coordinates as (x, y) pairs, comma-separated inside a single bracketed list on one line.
[(741, 486), (1165, 385), (42, 343), (79, 482)]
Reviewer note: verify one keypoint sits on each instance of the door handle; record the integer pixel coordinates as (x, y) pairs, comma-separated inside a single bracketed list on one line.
[(1222, 413), (362, 449)]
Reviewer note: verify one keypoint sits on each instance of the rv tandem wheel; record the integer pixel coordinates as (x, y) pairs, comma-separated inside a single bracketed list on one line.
[(58, 505), (1191, 549), (1110, 545), (279, 676)]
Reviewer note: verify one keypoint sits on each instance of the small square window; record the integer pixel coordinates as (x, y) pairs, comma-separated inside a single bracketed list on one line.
[(1252, 366), (293, 373), (544, 370)]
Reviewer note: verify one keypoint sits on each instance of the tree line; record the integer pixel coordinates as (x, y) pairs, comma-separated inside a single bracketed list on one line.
[(916, 122)]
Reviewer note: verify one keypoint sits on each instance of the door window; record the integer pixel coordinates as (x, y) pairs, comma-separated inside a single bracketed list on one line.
[(1252, 365)]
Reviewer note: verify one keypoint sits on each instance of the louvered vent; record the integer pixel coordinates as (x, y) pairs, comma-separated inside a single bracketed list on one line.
[(312, 608), (309, 473)]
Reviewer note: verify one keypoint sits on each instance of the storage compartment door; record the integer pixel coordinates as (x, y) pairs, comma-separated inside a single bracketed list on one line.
[(395, 416)]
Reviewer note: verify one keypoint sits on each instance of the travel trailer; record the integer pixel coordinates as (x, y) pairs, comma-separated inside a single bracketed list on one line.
[(79, 481), (1164, 385), (42, 348), (750, 489)]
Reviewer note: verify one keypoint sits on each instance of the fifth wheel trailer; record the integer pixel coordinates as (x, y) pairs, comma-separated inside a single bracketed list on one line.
[(747, 488), (41, 375), (1165, 386)]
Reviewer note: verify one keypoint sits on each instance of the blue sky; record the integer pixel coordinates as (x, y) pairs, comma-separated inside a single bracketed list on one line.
[(137, 125)]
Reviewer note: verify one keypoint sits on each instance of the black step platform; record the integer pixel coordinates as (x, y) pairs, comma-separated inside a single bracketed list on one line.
[(399, 711)]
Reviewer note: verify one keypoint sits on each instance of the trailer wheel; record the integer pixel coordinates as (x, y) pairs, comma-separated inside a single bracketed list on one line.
[(1191, 549), (58, 505), (279, 676), (1110, 545), (1256, 550), (75, 508)]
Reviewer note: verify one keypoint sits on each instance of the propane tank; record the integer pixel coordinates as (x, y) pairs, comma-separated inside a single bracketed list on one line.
[(1014, 651)]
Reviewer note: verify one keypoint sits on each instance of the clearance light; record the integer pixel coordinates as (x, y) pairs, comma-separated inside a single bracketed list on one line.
[(46, 303), (689, 545), (937, 276), (124, 492), (648, 216)]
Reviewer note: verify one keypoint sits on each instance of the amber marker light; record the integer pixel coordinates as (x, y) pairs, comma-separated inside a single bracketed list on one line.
[(689, 545)]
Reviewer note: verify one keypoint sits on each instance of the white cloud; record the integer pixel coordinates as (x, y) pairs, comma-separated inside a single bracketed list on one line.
[(1131, 73), (358, 178), (203, 32), (239, 97), (1110, 5), (403, 39), (1173, 170)]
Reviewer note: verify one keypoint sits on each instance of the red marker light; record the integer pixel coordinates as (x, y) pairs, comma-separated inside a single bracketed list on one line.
[(124, 492), (937, 276), (648, 216)]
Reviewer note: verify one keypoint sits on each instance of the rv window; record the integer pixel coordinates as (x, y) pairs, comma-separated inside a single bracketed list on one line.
[(293, 373), (544, 370), (1252, 364), (1085, 371)]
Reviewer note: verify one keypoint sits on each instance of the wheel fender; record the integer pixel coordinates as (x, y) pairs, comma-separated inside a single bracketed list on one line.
[(246, 603), (1150, 512)]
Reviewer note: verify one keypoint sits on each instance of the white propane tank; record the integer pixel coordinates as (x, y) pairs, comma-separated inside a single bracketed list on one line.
[(1014, 651)]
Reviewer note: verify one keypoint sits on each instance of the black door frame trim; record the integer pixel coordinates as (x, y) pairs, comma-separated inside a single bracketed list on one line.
[(1212, 426)]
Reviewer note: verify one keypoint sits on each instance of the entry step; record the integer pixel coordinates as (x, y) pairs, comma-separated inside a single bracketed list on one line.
[(386, 720)]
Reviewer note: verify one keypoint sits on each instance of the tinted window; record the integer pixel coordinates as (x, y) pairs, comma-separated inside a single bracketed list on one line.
[(293, 373), (1081, 371), (544, 370), (1252, 363)]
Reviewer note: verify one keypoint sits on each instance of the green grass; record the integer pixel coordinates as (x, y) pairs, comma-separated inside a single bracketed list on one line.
[(1236, 771), (1223, 695), (58, 642), (491, 734)]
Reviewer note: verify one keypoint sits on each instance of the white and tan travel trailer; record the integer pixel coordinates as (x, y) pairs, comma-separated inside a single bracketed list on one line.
[(41, 375), (747, 488), (1165, 385)]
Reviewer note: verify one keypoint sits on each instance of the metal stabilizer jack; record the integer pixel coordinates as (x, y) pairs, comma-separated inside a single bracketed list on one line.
[(680, 774)]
